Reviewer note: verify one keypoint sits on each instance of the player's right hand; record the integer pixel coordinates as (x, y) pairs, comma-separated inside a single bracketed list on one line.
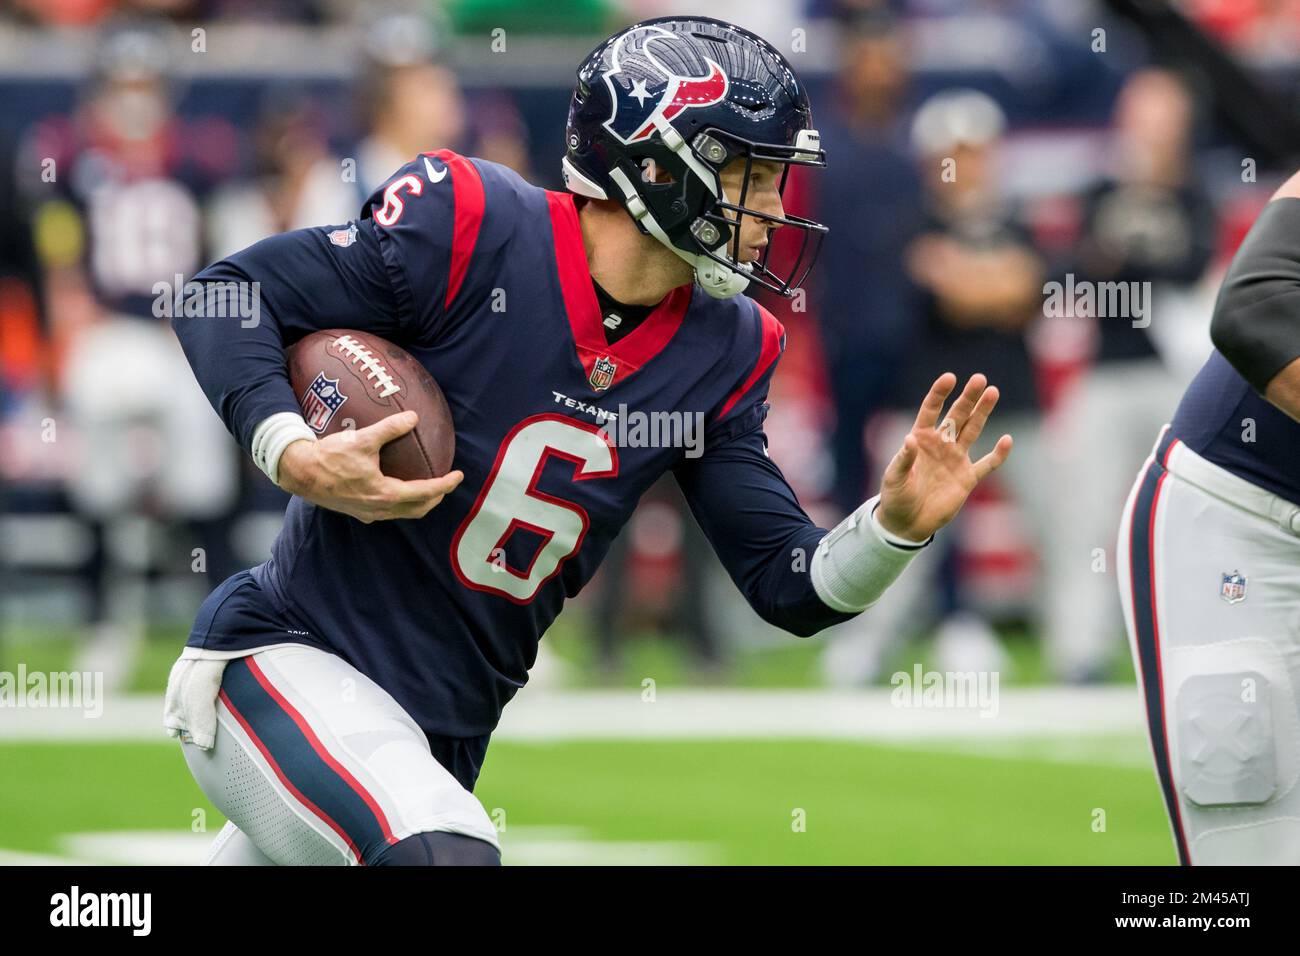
[(341, 472)]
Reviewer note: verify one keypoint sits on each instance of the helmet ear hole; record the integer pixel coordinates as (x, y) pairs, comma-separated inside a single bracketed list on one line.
[(652, 172)]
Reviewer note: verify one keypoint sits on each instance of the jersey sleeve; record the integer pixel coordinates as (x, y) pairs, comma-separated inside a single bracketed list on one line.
[(440, 219), (237, 316), (748, 510), (1256, 321), (422, 256), (745, 405), (762, 536)]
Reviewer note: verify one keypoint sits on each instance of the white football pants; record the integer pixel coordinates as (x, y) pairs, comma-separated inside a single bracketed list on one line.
[(316, 764), (1209, 576)]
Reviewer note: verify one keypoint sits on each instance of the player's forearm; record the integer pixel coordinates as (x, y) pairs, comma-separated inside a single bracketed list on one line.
[(821, 578), (289, 285), (857, 561), (795, 575), (238, 360), (1256, 322), (780, 589)]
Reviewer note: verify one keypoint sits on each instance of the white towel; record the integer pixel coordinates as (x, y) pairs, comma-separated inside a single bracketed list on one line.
[(190, 706)]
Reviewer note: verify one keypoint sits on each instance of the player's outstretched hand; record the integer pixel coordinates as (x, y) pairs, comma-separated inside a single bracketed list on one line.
[(341, 472), (930, 478)]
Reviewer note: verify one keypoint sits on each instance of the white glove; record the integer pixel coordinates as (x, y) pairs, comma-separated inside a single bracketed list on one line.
[(190, 707)]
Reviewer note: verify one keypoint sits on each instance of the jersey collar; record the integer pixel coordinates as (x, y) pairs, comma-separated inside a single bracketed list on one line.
[(636, 348)]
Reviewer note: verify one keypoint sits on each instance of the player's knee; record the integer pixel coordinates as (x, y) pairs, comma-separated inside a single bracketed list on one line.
[(1227, 739), (439, 849)]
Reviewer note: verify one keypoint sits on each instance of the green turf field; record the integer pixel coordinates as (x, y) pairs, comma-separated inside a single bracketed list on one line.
[(699, 801), (1090, 799)]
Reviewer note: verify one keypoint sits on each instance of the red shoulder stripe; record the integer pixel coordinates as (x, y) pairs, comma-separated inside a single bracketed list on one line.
[(773, 334), (580, 301), (467, 194)]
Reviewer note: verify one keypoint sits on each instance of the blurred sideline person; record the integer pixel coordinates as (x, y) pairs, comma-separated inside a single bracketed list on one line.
[(500, 134), (690, 617), (411, 101), (980, 278), (1209, 548), (1150, 227), (870, 199), (296, 181), (129, 179)]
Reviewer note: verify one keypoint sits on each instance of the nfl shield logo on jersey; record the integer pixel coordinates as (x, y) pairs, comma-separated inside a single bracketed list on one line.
[(1233, 588), (602, 373), (344, 237), (321, 400)]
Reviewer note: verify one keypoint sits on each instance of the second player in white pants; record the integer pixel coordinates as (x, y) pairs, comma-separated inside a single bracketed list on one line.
[(1209, 574)]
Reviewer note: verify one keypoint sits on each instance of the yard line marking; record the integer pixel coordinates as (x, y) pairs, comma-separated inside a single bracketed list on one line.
[(686, 713)]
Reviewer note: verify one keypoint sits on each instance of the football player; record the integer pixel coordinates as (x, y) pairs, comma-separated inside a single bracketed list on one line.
[(358, 674), (1208, 551)]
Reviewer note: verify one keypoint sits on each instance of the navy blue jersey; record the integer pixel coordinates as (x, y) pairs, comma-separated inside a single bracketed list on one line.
[(1226, 421), (484, 279)]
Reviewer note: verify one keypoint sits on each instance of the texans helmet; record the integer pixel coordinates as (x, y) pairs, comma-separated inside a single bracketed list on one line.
[(685, 96)]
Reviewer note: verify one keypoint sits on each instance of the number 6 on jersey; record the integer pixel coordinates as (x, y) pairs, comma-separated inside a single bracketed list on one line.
[(510, 501)]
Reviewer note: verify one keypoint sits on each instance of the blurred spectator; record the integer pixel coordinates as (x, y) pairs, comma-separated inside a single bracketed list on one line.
[(22, 358), (500, 134), (119, 190), (981, 282), (411, 102), (688, 614), (296, 181), (79, 12), (1264, 31), (869, 195), (1148, 221), (87, 12), (481, 17)]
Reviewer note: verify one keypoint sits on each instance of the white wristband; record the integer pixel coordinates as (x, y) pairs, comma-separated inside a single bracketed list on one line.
[(896, 540), (273, 436), (858, 559)]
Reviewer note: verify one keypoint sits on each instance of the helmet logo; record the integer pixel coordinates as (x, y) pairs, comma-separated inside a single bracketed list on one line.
[(644, 89)]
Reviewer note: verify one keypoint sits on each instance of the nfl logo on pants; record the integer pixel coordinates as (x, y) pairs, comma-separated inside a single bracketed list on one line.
[(1233, 588)]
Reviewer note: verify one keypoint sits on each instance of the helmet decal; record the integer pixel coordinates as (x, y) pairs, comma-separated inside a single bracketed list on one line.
[(643, 88)]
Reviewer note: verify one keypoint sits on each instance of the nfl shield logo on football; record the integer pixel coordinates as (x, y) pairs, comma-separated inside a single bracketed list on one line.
[(1233, 588), (602, 373), (344, 237), (321, 400)]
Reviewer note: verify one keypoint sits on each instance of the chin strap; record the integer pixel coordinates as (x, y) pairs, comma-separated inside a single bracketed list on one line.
[(718, 280)]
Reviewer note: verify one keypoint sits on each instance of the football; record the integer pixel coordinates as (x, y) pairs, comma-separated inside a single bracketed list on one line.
[(345, 379)]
